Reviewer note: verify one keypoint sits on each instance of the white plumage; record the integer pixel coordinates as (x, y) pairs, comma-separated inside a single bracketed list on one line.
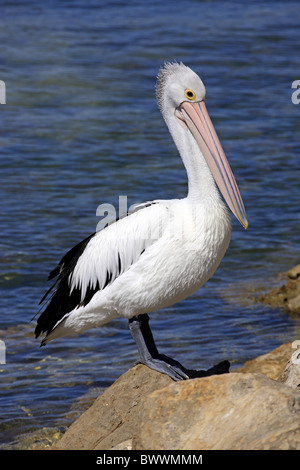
[(165, 250), (155, 272)]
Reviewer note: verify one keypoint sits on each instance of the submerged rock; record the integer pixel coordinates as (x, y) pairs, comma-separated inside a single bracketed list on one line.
[(287, 295), (146, 410)]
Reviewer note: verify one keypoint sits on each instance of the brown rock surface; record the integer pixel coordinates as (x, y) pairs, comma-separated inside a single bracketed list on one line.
[(270, 364), (146, 410), (235, 411), (114, 415), (291, 374)]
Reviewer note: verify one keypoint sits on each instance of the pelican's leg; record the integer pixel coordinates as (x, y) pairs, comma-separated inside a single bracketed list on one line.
[(149, 355)]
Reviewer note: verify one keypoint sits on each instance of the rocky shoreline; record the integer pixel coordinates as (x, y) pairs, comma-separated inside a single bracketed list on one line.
[(256, 407), (287, 295)]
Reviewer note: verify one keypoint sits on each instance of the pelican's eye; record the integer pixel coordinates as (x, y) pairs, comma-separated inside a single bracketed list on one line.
[(190, 94)]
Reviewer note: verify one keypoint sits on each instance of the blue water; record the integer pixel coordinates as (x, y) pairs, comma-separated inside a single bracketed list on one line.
[(81, 127)]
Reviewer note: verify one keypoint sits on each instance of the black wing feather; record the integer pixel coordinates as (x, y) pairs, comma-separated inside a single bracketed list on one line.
[(62, 300)]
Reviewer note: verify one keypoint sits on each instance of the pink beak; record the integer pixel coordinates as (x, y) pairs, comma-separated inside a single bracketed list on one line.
[(198, 121)]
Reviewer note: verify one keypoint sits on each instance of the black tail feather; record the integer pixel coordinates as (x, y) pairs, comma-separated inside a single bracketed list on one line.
[(62, 300)]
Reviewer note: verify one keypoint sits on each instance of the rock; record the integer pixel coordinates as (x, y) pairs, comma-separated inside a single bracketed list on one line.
[(291, 374), (110, 420), (293, 304), (270, 364), (41, 439), (126, 445), (224, 412), (287, 295), (146, 410), (294, 272), (114, 415)]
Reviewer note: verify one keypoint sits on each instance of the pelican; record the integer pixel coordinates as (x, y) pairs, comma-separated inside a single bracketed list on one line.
[(161, 252)]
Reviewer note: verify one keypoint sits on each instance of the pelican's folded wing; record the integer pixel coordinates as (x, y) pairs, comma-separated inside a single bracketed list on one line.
[(98, 260)]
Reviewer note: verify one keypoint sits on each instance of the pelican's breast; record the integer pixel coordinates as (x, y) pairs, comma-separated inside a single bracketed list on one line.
[(187, 254), (201, 235)]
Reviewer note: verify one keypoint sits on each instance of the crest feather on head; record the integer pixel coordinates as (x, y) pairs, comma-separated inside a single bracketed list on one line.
[(167, 70)]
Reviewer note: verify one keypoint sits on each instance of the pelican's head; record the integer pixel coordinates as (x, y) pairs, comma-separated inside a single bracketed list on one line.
[(181, 95)]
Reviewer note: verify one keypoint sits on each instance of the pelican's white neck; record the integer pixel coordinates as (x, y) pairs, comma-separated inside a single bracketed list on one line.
[(201, 183)]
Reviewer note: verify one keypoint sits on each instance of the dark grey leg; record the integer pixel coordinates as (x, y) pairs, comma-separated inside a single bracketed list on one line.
[(149, 355)]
